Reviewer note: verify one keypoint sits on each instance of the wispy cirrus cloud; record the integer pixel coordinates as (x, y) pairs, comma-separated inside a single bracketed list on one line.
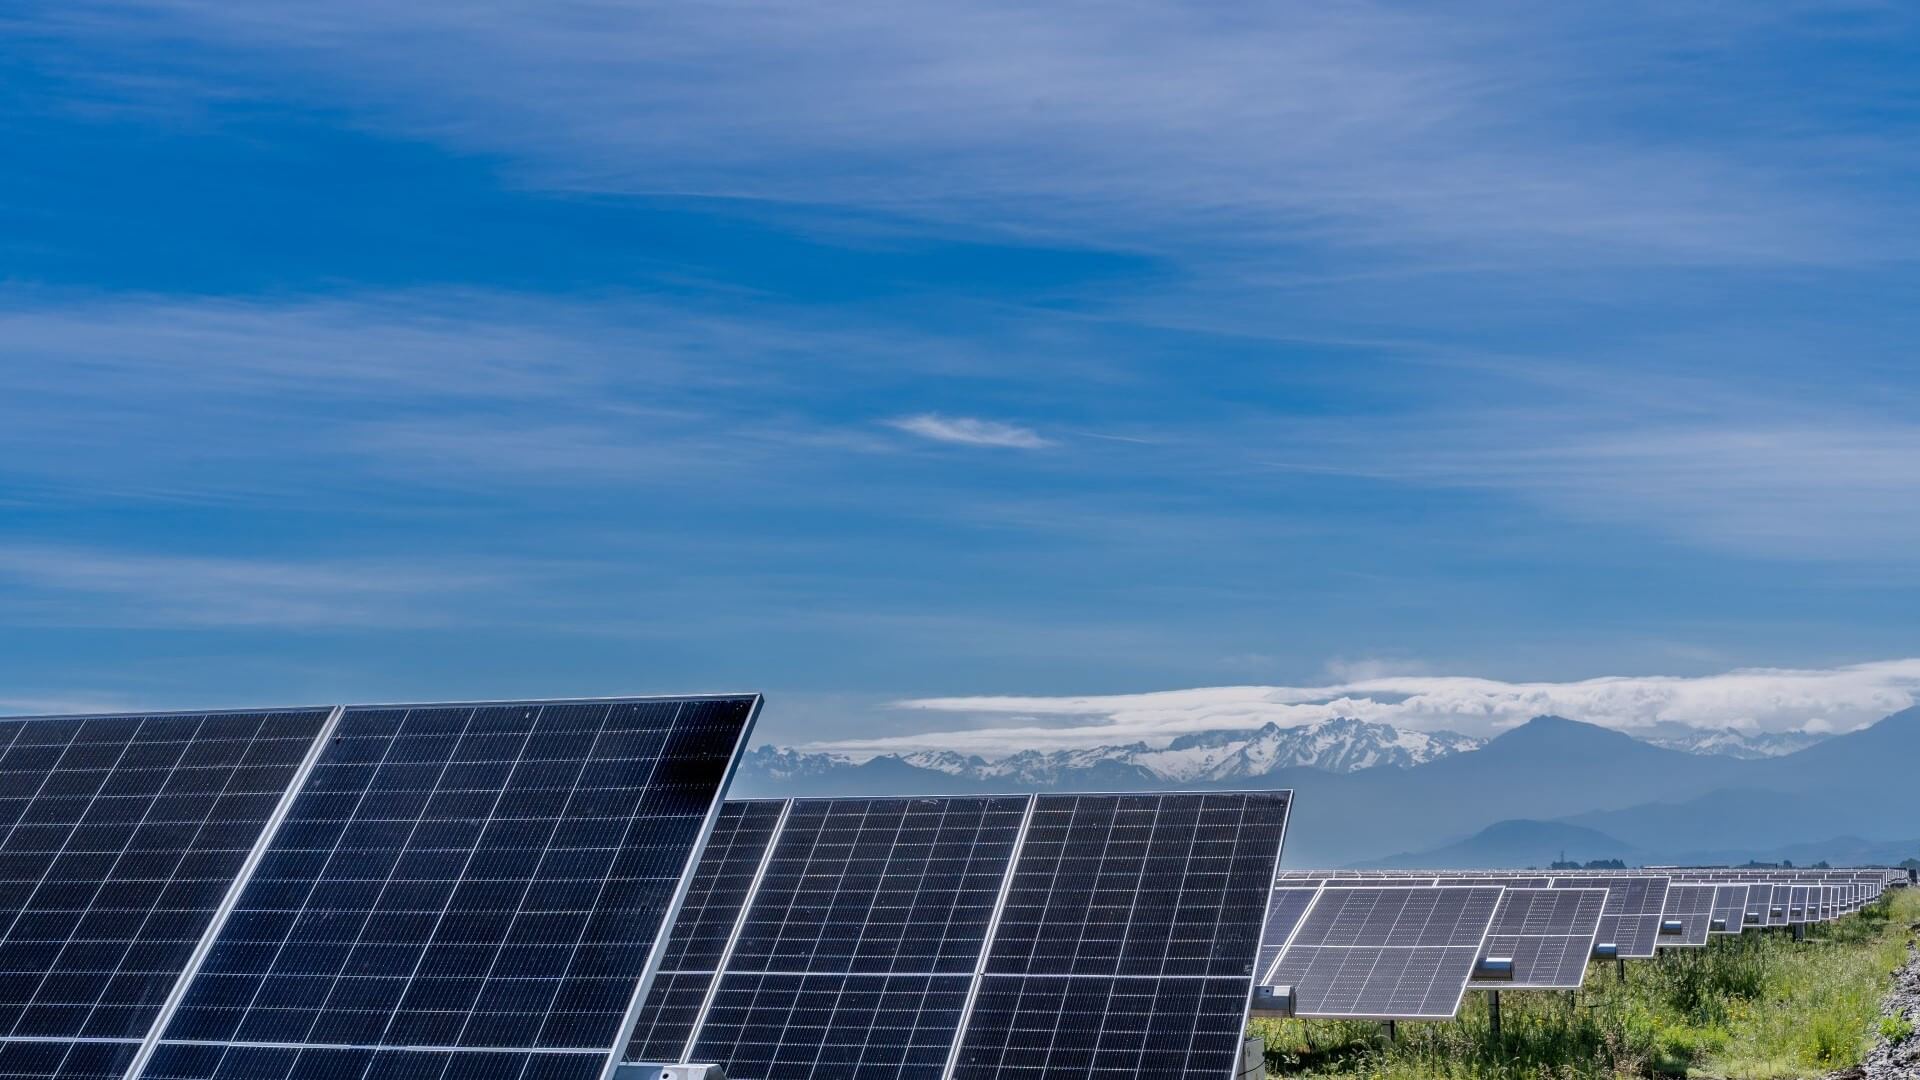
[(1748, 699), (1507, 126), (75, 586), (970, 431)]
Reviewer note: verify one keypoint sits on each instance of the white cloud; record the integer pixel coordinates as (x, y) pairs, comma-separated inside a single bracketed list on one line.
[(1493, 126), (970, 431), (73, 586), (1751, 699)]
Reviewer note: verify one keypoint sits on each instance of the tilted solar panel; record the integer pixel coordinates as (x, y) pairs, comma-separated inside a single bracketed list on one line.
[(1386, 952), (462, 890), (1284, 912), (860, 942), (1547, 933), (1729, 908), (1632, 917), (123, 838), (1779, 903), (1127, 940), (723, 882), (1687, 915)]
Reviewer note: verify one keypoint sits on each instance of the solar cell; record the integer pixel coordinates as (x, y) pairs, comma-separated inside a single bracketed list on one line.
[(1386, 952), (1127, 938), (1547, 933), (482, 881), (121, 838)]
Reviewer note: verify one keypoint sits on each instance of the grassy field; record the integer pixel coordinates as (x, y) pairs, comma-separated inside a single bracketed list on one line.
[(1752, 1007)]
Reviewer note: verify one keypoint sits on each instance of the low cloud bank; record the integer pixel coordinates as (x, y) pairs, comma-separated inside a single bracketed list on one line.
[(1752, 699)]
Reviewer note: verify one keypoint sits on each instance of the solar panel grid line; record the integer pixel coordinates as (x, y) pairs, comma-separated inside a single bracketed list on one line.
[(986, 944), (232, 898), (739, 923)]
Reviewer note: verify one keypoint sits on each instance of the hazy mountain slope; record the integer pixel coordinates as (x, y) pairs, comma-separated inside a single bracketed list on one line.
[(1515, 843)]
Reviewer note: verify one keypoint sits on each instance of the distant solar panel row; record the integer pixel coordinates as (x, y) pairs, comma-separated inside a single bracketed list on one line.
[(1542, 934), (972, 936), (416, 891)]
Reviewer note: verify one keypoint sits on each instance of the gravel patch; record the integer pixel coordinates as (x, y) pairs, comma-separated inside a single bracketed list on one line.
[(1901, 1060)]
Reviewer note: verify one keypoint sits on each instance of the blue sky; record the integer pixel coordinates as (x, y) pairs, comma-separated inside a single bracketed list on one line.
[(862, 352)]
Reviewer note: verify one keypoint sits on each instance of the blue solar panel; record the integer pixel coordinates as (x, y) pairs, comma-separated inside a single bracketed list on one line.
[(1127, 941), (857, 946), (458, 879), (120, 839)]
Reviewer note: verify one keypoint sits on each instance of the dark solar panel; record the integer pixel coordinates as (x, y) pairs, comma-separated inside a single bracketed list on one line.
[(1044, 1026), (671, 1012), (827, 1026), (1547, 933), (1386, 952), (880, 886), (214, 1062), (1284, 912), (120, 839), (859, 943), (1160, 899), (464, 877), (58, 1060), (721, 883), (1140, 885)]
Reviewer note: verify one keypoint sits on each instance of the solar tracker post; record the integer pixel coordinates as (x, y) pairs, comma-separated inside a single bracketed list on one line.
[(1493, 1015)]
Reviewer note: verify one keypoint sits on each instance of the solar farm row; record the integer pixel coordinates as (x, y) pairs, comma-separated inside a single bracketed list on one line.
[(1408, 945), (556, 890)]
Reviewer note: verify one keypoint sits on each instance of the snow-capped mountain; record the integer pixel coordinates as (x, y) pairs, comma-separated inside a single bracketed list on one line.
[(1728, 742), (1337, 745)]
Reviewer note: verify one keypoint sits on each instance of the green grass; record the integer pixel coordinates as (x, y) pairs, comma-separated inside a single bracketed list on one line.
[(1752, 1007)]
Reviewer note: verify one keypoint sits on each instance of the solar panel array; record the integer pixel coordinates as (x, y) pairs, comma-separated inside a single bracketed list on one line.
[(1543, 932), (971, 936), (508, 891), (347, 893)]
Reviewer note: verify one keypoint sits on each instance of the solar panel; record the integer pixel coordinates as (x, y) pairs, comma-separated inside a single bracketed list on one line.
[(860, 942), (1547, 933), (462, 890), (1284, 912), (1687, 915), (121, 838), (1799, 903), (1632, 917), (723, 882), (1779, 902), (1386, 952), (1729, 908), (1127, 939)]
